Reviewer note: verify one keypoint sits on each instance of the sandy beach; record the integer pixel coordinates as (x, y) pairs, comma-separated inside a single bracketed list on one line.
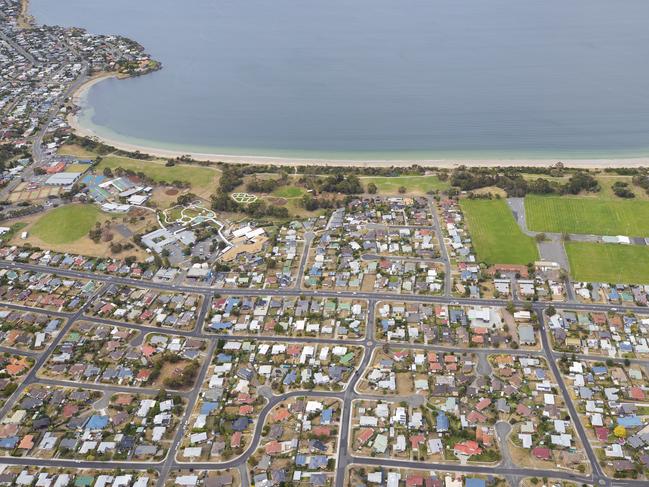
[(79, 95)]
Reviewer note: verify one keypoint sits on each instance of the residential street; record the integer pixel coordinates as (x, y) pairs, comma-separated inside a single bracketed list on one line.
[(369, 344)]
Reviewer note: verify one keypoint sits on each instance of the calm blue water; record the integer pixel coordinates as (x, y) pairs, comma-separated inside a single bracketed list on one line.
[(426, 78)]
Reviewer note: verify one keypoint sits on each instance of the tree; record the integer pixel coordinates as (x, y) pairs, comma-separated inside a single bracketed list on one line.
[(402, 189), (581, 181), (371, 188), (620, 431)]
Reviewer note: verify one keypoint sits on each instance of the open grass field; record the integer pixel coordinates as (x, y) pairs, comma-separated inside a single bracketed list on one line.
[(75, 150), (198, 177), (65, 224), (562, 214), (496, 236), (613, 263), (77, 167), (413, 184), (288, 192), (606, 182)]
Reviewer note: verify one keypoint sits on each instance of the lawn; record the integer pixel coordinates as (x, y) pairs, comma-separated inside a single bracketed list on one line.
[(76, 151), (65, 224), (613, 263), (496, 236), (587, 215), (198, 177), (413, 184), (77, 167), (288, 192)]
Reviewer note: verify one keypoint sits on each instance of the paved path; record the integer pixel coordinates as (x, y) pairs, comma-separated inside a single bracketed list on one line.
[(448, 281), (552, 248)]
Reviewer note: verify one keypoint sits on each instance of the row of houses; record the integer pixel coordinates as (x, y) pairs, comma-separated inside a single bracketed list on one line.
[(54, 421), (92, 352), (489, 326), (293, 316), (147, 306)]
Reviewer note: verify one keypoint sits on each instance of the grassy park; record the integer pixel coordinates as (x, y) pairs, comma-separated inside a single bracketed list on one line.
[(496, 236), (289, 192), (75, 150), (413, 184), (613, 263), (65, 224), (198, 177), (562, 214)]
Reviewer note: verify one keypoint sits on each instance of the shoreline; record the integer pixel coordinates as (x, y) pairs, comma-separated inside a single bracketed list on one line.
[(25, 20), (78, 97)]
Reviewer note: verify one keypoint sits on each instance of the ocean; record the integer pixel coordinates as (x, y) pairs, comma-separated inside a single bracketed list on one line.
[(375, 79)]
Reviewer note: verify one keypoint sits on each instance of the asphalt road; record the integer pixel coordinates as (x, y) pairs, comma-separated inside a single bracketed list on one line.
[(345, 457), (419, 298)]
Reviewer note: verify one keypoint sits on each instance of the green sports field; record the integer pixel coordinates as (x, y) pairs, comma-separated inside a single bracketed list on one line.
[(613, 263), (413, 184), (65, 224), (562, 214), (496, 236)]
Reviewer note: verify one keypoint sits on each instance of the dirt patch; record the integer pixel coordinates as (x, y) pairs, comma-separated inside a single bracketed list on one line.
[(171, 192), (405, 384), (368, 282), (278, 201), (170, 369), (27, 192)]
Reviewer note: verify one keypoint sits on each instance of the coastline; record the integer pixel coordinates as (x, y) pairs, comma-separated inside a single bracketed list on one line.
[(80, 93), (25, 20), (78, 100)]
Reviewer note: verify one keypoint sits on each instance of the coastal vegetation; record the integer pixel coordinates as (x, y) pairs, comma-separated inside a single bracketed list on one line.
[(66, 224), (496, 236), (266, 185), (98, 148), (516, 181), (587, 215), (612, 263), (231, 178)]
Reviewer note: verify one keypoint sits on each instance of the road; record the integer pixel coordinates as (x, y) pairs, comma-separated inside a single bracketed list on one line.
[(448, 278), (598, 474), (37, 147), (418, 298), (369, 343)]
